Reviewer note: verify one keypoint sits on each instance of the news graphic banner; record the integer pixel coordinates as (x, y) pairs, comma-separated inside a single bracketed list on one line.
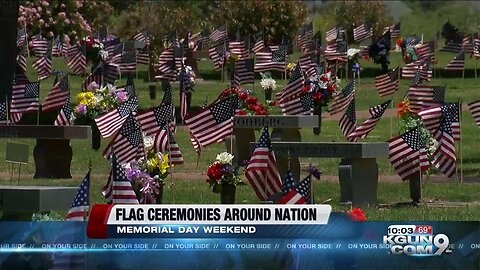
[(237, 237)]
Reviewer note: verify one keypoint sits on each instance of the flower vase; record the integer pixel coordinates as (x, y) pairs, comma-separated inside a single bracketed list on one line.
[(96, 137), (268, 94), (227, 195), (318, 111)]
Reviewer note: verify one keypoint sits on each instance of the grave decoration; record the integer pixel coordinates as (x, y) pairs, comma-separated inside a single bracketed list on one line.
[(224, 178), (94, 51), (94, 102), (148, 174), (268, 84), (248, 102)]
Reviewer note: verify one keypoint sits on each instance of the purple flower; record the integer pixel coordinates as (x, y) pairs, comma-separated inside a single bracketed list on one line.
[(92, 86), (121, 96), (81, 109)]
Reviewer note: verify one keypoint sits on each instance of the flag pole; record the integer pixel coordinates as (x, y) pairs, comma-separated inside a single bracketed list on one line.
[(312, 200), (7, 110), (460, 112), (170, 162)]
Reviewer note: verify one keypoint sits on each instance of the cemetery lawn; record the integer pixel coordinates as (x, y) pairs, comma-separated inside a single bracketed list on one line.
[(187, 185)]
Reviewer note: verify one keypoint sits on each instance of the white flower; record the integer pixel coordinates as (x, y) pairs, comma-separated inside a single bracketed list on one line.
[(160, 157), (352, 52), (268, 84), (103, 54), (225, 158), (147, 142)]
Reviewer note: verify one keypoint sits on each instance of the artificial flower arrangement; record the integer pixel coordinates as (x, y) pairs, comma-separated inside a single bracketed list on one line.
[(408, 49), (323, 88), (188, 73), (267, 82), (357, 214), (290, 68), (95, 51), (96, 101), (248, 103), (148, 174), (410, 120), (222, 172)]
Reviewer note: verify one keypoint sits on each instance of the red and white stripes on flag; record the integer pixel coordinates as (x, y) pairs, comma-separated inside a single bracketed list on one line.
[(408, 70), (219, 34), (424, 96), (243, 72), (79, 209), (238, 48), (271, 60), (387, 84), (217, 55), (474, 108), (332, 35), (43, 65), (426, 50), (301, 194), (259, 44), (152, 120), (262, 171), (348, 122), (294, 86), (143, 57), (77, 59), (25, 95), (39, 45), (213, 123), (362, 32), (407, 154), (394, 30), (58, 95), (336, 51), (113, 120), (128, 62), (458, 63), (341, 100), (369, 124), (301, 104), (165, 142), (476, 48), (121, 190), (64, 117)]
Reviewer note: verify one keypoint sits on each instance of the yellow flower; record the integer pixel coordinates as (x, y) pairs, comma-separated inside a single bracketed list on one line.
[(164, 165), (291, 66), (80, 97)]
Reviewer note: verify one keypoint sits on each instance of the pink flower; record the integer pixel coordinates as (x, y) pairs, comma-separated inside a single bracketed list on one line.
[(62, 5), (45, 3), (62, 14), (81, 109), (39, 9), (92, 86), (121, 96)]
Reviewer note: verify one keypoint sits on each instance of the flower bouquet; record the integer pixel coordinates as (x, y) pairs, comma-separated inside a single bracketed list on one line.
[(248, 102), (289, 69), (268, 84), (223, 177), (148, 174), (95, 53)]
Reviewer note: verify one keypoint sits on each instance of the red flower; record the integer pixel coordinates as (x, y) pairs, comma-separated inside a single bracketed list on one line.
[(90, 41), (329, 70), (324, 79), (243, 95), (234, 90), (215, 171), (273, 103), (226, 92), (317, 97), (307, 88), (241, 113), (252, 100), (366, 57), (357, 214), (331, 88)]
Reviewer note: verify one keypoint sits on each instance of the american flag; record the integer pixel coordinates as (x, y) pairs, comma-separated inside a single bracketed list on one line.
[(43, 65), (336, 51), (199, 40), (113, 120), (476, 48), (22, 58), (348, 122), (105, 73), (454, 45), (426, 50), (394, 30), (13, 117), (166, 71), (387, 84), (59, 47), (179, 56), (301, 194), (408, 70), (113, 47), (259, 43), (341, 100), (458, 63), (128, 63), (25, 95), (425, 69), (142, 36), (213, 123), (21, 38), (443, 123), (217, 54), (468, 42), (369, 124), (288, 183), (243, 72), (362, 32), (143, 57), (121, 189), (115, 53), (80, 206), (407, 154), (238, 48), (271, 60), (183, 87), (57, 96), (64, 117), (152, 119), (165, 142), (297, 105), (333, 34), (305, 35), (315, 70), (423, 96), (433, 118), (294, 86), (219, 34), (39, 45), (77, 59), (129, 87), (262, 171), (475, 110), (127, 144), (309, 60)]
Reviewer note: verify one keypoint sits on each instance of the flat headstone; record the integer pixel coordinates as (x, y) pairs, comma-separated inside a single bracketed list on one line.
[(45, 132), (35, 198), (278, 121)]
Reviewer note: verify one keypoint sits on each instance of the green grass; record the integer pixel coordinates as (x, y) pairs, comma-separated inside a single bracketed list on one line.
[(187, 184)]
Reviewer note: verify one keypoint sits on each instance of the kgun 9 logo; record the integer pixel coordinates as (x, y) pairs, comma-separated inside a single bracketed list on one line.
[(414, 240)]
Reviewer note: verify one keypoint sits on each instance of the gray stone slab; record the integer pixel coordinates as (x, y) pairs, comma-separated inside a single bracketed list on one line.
[(45, 132), (279, 121), (330, 150), (35, 198)]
